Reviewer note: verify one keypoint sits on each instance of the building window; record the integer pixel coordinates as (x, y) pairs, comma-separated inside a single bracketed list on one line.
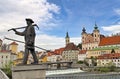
[(2, 56), (95, 35), (89, 41), (83, 37), (89, 47)]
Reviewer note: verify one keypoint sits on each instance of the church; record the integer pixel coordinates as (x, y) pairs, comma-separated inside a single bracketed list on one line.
[(91, 40)]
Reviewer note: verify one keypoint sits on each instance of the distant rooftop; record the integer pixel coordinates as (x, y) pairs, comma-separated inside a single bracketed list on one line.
[(113, 40), (109, 56), (13, 43), (83, 51), (71, 46)]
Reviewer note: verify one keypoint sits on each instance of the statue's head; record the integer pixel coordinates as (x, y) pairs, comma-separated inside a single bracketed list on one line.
[(29, 21)]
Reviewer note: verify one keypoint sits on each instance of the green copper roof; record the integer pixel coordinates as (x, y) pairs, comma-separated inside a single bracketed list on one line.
[(95, 26), (67, 36), (106, 48)]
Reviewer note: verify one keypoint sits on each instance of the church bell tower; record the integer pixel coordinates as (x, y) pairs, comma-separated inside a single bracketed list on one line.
[(67, 38)]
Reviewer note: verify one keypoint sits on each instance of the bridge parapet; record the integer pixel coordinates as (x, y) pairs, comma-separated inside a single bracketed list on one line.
[(3, 75)]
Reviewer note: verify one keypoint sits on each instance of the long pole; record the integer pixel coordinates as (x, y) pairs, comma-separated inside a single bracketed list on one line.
[(24, 43), (24, 27)]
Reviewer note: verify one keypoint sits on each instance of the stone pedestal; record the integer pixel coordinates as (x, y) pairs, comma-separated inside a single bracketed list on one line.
[(29, 72)]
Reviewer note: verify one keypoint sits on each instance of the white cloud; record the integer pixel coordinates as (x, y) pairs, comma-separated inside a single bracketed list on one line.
[(112, 28), (76, 40), (50, 42), (54, 42), (14, 12), (115, 28), (117, 11)]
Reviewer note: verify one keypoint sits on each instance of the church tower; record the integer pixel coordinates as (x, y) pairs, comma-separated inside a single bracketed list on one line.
[(84, 35), (96, 34), (67, 39)]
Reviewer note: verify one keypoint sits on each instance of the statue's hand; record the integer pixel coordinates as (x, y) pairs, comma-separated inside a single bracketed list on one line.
[(13, 29)]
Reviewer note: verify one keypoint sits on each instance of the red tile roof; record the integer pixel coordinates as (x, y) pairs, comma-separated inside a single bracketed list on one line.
[(109, 56), (13, 43), (55, 52), (83, 51), (5, 51), (110, 41), (71, 46), (59, 51), (49, 53)]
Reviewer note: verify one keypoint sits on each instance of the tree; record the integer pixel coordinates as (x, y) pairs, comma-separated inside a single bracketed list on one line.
[(80, 62), (111, 66), (85, 62), (112, 51), (94, 63), (7, 69), (79, 46)]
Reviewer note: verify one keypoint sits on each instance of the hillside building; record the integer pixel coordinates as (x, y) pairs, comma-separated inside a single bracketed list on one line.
[(91, 40), (70, 52)]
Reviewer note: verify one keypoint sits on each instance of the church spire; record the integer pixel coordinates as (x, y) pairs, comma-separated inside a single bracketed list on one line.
[(84, 30), (67, 38), (96, 27)]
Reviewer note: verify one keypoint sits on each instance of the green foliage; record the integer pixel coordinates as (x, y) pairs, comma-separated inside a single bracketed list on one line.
[(112, 68), (112, 51), (86, 63), (80, 62), (104, 69), (79, 46), (94, 61), (7, 69)]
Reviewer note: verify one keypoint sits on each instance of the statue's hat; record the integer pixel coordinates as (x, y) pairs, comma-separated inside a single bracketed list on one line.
[(28, 19)]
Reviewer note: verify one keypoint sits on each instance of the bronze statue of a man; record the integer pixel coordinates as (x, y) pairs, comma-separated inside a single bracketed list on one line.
[(29, 36)]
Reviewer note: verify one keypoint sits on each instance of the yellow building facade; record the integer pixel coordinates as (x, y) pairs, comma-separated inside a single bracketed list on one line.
[(102, 50), (13, 47), (19, 58)]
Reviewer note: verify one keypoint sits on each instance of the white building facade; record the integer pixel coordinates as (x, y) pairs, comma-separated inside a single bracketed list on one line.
[(82, 55), (6, 57), (54, 58)]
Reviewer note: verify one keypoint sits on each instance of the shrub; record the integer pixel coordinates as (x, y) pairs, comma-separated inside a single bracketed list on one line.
[(80, 62)]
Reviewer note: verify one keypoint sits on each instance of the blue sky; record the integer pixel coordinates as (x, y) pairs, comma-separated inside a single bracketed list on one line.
[(56, 17), (76, 14)]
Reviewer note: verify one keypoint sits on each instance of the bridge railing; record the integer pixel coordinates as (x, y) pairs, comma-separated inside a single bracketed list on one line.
[(108, 76), (3, 75)]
